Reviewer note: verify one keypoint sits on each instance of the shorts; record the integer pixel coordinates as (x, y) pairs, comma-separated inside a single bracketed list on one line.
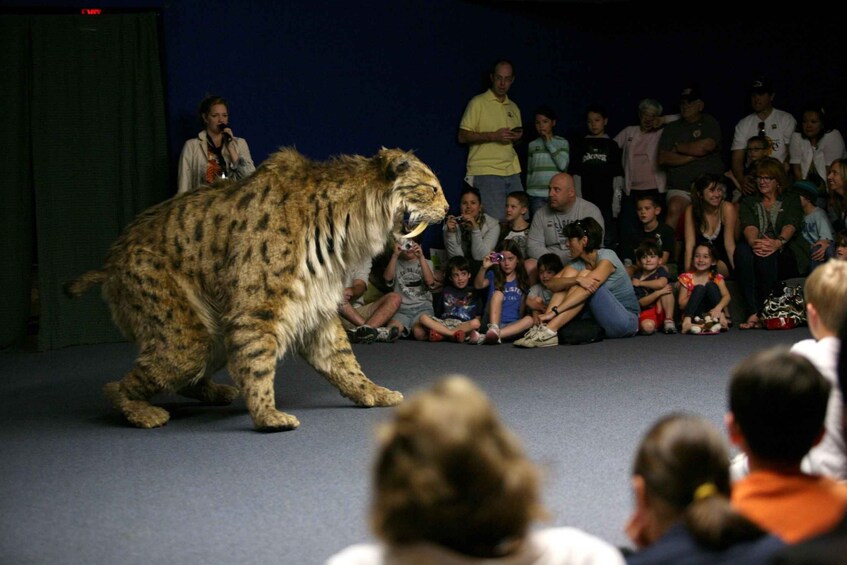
[(652, 314), (677, 192), (407, 316)]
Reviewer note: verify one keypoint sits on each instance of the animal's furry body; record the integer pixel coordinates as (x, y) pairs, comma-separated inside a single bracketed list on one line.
[(240, 273)]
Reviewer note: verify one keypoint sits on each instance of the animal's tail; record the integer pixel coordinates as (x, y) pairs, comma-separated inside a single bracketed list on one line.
[(80, 285)]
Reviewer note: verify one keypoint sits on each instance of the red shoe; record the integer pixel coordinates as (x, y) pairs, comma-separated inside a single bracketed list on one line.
[(459, 336), (435, 336)]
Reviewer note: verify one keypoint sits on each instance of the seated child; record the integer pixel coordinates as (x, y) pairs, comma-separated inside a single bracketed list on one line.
[(365, 323), (539, 295), (841, 245), (459, 308), (825, 291), (817, 229), (649, 207), (654, 293), (703, 294), (507, 285), (516, 227), (777, 405), (682, 512), (410, 274), (452, 485)]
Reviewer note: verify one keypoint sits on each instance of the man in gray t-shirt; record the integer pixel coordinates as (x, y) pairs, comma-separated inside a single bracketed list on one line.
[(688, 148), (563, 207)]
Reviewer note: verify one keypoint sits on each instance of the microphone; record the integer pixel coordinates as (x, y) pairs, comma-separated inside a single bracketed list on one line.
[(226, 135)]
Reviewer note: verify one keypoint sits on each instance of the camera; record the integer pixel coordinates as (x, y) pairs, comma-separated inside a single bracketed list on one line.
[(495, 257), (406, 244)]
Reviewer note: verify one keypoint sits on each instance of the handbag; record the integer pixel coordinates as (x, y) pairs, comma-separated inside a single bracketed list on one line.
[(784, 308)]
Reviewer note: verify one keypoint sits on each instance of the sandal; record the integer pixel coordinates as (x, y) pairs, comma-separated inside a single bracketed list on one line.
[(752, 323)]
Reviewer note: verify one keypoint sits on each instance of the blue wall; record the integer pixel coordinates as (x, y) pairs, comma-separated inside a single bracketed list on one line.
[(349, 77)]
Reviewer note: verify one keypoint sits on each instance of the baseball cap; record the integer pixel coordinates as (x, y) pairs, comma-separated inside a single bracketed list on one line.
[(806, 188), (690, 93), (761, 86)]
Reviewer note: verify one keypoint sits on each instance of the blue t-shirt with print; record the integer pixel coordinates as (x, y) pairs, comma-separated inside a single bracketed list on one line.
[(512, 299)]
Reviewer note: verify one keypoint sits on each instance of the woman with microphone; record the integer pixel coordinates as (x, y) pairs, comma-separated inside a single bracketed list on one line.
[(215, 153)]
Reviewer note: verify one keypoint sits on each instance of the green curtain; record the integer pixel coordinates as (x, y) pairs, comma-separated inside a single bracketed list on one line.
[(16, 235), (98, 157)]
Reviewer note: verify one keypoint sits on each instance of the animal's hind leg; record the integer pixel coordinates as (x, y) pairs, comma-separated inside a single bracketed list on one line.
[(329, 352), (131, 396), (174, 344)]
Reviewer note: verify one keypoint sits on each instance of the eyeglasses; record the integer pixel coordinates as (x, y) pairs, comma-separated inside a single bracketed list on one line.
[(760, 179), (757, 149), (761, 128)]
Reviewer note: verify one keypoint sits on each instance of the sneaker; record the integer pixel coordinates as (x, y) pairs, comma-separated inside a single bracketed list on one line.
[(669, 327), (366, 334), (351, 335), (543, 337), (387, 334), (528, 335), (459, 336), (476, 338), (435, 336), (492, 336)]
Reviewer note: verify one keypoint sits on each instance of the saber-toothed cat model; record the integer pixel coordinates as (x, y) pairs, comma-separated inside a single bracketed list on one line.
[(241, 272)]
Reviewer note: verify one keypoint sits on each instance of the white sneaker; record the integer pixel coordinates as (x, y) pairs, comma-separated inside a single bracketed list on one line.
[(476, 338), (529, 333), (543, 337), (492, 336)]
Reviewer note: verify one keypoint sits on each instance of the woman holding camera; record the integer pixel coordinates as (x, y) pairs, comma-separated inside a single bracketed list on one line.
[(472, 234), (215, 153)]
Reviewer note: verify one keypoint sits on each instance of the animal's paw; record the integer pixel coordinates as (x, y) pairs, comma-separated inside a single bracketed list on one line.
[(275, 421), (140, 413), (375, 395), (144, 415)]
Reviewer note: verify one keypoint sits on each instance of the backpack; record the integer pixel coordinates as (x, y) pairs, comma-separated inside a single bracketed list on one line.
[(784, 308)]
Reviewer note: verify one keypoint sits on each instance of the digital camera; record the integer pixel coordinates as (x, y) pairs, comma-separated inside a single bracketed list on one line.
[(407, 244), (495, 257)]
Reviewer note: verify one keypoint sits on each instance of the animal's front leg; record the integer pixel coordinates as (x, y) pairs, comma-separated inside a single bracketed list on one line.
[(252, 352), (328, 351)]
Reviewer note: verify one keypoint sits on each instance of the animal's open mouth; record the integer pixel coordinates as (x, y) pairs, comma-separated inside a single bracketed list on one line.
[(412, 225)]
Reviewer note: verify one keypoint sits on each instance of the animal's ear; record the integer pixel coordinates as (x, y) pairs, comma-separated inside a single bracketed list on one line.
[(395, 168)]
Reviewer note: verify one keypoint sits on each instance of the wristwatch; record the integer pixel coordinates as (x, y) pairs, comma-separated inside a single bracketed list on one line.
[(781, 242)]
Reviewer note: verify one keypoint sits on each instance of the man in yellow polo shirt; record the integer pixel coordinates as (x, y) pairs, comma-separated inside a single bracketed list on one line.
[(490, 126)]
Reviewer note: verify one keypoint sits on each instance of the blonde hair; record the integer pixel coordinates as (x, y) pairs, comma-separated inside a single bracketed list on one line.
[(826, 289), (450, 473)]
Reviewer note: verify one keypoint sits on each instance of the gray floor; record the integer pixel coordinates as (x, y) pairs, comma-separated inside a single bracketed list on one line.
[(80, 486)]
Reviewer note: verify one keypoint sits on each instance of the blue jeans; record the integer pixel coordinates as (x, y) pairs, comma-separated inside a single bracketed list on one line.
[(703, 298), (493, 190), (616, 320)]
